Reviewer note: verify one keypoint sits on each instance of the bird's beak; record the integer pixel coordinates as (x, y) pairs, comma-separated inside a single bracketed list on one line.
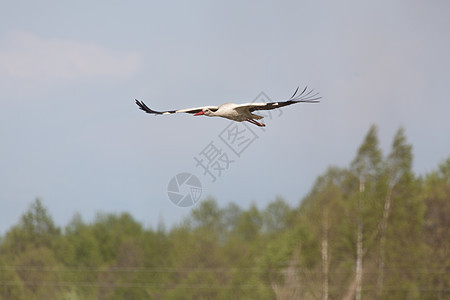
[(199, 113)]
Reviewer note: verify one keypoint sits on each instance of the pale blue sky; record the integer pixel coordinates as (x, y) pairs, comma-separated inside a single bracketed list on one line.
[(69, 73)]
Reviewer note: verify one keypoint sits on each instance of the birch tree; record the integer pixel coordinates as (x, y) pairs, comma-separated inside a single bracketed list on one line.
[(398, 165), (366, 166)]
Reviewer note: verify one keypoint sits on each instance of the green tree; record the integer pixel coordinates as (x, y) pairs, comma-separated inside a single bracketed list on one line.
[(277, 216), (126, 278), (398, 169), (111, 231), (11, 285), (324, 211), (249, 223), (36, 229), (401, 250), (43, 277), (208, 218), (436, 235), (367, 168)]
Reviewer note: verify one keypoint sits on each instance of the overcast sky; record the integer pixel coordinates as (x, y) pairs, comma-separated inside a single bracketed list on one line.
[(72, 135)]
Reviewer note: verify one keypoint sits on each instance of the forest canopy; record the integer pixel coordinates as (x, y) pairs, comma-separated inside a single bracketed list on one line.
[(371, 230)]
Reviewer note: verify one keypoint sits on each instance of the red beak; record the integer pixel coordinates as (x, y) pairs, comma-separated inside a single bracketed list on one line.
[(199, 113)]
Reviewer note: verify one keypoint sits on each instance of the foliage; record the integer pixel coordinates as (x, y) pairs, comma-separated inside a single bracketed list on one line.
[(399, 219)]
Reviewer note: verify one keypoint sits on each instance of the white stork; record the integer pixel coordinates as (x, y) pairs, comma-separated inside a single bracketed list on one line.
[(238, 112)]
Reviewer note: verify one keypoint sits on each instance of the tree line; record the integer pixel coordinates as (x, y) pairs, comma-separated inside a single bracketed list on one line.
[(373, 230)]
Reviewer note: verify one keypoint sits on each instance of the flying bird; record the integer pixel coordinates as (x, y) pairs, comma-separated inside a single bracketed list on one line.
[(239, 112)]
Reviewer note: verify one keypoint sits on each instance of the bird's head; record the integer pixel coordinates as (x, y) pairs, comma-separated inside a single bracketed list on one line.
[(205, 111)]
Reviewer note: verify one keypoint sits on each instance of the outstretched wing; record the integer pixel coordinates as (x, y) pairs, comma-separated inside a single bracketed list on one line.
[(195, 110), (305, 97)]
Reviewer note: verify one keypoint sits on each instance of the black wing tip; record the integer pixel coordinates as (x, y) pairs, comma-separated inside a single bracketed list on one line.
[(144, 107), (294, 93), (306, 96)]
